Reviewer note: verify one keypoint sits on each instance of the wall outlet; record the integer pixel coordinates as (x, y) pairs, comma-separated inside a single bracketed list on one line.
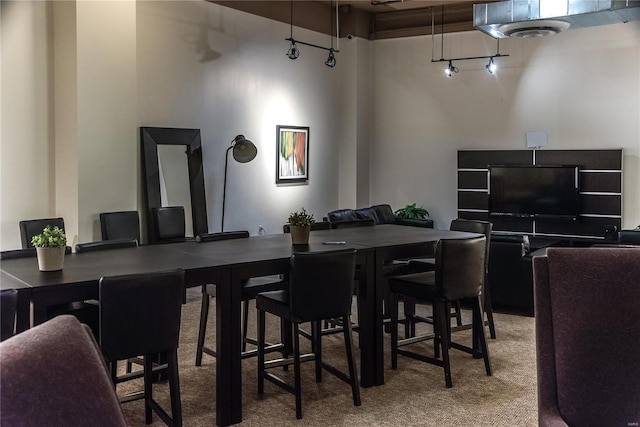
[(261, 231)]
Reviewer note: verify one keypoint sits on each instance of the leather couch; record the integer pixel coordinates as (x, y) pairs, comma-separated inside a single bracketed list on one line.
[(377, 214)]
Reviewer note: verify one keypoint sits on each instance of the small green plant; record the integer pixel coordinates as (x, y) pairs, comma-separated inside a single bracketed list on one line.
[(301, 218), (49, 238), (412, 212)]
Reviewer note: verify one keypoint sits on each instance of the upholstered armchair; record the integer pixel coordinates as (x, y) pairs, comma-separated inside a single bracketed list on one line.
[(54, 374), (587, 334)]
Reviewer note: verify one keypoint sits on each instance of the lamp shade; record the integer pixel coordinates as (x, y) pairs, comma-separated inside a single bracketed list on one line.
[(243, 150)]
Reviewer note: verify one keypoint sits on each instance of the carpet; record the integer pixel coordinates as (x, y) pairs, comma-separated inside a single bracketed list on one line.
[(413, 395)]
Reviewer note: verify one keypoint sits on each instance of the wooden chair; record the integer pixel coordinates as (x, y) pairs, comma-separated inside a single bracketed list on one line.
[(320, 287), (459, 275), (250, 288), (140, 316), (120, 225)]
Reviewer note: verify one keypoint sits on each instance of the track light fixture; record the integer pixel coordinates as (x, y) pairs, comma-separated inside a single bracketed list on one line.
[(450, 69), (294, 52), (331, 60), (491, 66)]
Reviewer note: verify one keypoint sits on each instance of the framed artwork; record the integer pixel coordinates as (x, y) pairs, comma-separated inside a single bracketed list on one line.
[(292, 154)]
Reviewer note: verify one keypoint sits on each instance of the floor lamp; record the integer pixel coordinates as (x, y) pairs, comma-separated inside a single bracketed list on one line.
[(243, 152)]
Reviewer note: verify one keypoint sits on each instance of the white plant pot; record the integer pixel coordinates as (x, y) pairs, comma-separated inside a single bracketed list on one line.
[(300, 234), (50, 259)]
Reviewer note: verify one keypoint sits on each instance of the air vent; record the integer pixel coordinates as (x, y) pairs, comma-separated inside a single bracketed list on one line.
[(529, 29), (537, 18)]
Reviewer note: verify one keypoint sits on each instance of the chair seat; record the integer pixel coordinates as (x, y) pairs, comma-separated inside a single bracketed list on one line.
[(253, 286), (418, 285), (275, 302)]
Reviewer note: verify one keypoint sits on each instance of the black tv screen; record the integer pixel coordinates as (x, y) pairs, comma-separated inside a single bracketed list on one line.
[(534, 191)]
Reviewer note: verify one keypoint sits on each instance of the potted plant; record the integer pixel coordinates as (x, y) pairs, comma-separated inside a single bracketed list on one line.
[(50, 246), (412, 211), (300, 225)]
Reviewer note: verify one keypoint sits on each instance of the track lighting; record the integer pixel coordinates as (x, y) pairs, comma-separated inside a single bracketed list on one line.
[(491, 66), (331, 60), (293, 51), (450, 69)]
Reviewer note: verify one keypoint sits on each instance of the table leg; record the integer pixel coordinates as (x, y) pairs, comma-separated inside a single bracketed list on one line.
[(228, 348), (367, 320)]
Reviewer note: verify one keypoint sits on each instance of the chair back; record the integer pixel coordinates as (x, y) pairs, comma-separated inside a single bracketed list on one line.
[(140, 313), (587, 335), (120, 225), (318, 225), (169, 224), (460, 267), (32, 227), (474, 226), (53, 375), (225, 235), (102, 245), (19, 253), (353, 223), (321, 284), (8, 304)]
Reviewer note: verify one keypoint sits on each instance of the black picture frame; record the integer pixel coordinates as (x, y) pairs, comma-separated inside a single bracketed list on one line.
[(292, 154)]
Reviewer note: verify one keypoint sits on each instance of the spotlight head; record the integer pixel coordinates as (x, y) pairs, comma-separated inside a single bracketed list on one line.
[(293, 51), (491, 66), (450, 69), (331, 60)]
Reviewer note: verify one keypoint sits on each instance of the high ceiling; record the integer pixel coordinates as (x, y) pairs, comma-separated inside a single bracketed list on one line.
[(377, 19)]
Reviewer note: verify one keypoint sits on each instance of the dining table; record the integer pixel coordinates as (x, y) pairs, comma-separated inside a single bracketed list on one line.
[(226, 264)]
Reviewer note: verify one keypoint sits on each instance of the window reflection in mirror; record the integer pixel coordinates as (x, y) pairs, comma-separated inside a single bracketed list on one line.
[(174, 180)]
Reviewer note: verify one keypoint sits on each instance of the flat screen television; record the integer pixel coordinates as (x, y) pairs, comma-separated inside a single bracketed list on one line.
[(534, 191)]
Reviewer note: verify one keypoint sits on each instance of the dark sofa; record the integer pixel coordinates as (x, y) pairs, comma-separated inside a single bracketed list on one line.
[(376, 214)]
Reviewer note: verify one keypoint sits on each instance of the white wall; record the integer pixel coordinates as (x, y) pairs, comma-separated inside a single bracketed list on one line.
[(26, 156), (248, 88), (580, 86)]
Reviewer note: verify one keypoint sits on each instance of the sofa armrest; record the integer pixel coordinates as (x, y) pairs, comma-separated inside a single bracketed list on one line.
[(425, 223)]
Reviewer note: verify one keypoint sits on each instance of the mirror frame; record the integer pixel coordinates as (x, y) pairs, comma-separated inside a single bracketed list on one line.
[(150, 138)]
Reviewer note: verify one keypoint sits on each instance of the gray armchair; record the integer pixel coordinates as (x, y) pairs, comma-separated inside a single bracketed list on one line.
[(587, 335)]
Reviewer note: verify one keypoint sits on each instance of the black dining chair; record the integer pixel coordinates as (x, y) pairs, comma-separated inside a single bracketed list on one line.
[(102, 245), (318, 225), (32, 227), (250, 288), (428, 264), (459, 275), (169, 224), (320, 287), (120, 225), (140, 316), (8, 305)]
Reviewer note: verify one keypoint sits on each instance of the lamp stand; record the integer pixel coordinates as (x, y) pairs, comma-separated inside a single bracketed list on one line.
[(224, 188)]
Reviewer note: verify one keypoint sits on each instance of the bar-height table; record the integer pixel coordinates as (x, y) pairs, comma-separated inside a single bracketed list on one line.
[(227, 263)]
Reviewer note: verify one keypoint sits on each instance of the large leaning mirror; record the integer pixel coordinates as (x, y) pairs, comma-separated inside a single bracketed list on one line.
[(168, 188)]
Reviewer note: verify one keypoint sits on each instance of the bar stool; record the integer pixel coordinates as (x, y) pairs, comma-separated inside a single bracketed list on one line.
[(140, 316)]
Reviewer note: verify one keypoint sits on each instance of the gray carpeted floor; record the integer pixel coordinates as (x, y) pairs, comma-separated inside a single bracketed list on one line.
[(413, 395)]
